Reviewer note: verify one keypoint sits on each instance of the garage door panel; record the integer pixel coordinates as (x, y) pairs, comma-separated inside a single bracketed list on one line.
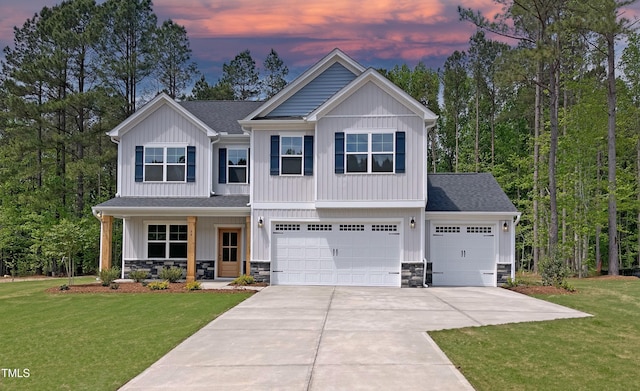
[(463, 255), (342, 254)]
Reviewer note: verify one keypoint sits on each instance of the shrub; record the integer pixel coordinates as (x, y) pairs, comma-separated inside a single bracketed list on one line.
[(171, 274), (244, 280), (107, 276), (114, 285), (158, 285), (553, 272), (193, 286), (64, 287), (567, 287), (138, 275)]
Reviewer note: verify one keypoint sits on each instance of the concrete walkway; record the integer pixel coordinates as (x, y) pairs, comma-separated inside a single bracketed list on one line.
[(337, 338)]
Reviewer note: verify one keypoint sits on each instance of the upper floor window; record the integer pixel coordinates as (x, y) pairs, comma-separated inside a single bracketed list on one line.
[(291, 155), (370, 152), (237, 165), (165, 164)]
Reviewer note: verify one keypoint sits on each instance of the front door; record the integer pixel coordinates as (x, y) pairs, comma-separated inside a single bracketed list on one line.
[(229, 252)]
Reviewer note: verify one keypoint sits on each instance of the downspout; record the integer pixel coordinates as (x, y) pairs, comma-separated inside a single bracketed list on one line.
[(424, 274)]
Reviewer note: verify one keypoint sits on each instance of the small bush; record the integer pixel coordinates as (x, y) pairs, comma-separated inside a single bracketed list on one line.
[(114, 285), (171, 274), (138, 275), (64, 287), (244, 280), (107, 276), (193, 286), (553, 272), (158, 285), (567, 287)]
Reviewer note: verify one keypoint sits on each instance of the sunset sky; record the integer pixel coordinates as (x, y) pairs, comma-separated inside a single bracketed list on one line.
[(377, 33)]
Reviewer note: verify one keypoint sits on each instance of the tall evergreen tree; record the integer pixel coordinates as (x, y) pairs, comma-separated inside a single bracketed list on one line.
[(174, 69), (242, 76), (275, 75)]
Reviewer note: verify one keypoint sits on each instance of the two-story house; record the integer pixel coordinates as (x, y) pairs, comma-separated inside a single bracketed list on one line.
[(324, 184)]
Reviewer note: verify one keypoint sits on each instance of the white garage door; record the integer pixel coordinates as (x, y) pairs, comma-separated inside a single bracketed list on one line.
[(336, 254), (463, 255)]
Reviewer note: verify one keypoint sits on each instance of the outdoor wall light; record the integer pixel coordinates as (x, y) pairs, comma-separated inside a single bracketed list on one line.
[(260, 222), (412, 223), (505, 227)]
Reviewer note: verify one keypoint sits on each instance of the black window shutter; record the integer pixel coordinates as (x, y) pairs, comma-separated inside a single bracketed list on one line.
[(222, 165), (275, 155), (308, 155), (339, 147), (400, 152), (139, 163), (191, 163)]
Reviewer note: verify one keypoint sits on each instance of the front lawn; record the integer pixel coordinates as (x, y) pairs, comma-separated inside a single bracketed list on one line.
[(598, 353), (93, 341)]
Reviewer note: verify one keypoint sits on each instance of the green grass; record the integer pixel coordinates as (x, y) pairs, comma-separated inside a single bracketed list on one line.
[(94, 341), (598, 353)]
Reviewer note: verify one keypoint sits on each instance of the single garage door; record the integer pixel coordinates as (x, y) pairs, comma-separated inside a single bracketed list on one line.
[(359, 254), (463, 255)]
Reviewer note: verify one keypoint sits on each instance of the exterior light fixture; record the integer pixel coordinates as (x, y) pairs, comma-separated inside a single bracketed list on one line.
[(505, 227), (260, 222), (412, 223)]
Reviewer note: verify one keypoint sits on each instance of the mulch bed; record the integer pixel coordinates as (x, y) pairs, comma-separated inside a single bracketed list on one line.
[(539, 290), (135, 287)]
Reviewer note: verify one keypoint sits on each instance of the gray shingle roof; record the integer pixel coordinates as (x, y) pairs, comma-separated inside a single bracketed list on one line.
[(218, 201), (466, 193), (221, 115)]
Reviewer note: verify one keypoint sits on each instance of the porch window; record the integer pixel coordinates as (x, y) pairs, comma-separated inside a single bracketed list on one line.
[(167, 241)]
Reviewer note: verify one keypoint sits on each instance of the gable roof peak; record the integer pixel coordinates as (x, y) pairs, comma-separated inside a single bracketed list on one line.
[(336, 56)]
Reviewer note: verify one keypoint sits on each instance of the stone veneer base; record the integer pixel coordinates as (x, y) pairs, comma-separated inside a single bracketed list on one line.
[(205, 270)]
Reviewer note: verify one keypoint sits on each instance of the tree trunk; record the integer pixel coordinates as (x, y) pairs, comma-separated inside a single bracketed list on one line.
[(553, 147), (536, 166), (611, 101)]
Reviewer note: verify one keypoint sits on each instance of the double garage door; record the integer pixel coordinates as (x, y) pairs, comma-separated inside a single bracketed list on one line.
[(361, 254), (463, 255)]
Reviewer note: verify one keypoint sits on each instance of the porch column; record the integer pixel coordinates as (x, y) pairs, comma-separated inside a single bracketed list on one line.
[(191, 248), (106, 232), (247, 252)]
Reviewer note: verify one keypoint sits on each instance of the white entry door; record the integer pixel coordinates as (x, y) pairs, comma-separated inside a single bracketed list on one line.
[(463, 255), (359, 254)]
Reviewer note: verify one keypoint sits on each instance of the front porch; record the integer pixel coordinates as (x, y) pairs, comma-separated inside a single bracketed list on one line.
[(207, 237)]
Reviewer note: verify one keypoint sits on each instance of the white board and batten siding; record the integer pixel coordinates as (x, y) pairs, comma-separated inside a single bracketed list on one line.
[(164, 127), (135, 234), (277, 188), (371, 109)]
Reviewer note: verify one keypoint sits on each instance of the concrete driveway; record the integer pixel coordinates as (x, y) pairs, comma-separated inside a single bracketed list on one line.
[(337, 338)]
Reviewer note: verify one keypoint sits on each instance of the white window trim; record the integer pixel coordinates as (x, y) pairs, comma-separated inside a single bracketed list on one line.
[(246, 166), (167, 241), (370, 153), (164, 163), (298, 135)]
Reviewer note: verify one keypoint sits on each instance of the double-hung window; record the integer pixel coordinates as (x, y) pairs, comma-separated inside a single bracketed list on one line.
[(291, 155), (167, 241), (370, 152), (165, 164), (237, 165)]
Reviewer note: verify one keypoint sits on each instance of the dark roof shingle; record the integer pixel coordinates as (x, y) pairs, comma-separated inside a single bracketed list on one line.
[(217, 201), (221, 115), (468, 192)]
